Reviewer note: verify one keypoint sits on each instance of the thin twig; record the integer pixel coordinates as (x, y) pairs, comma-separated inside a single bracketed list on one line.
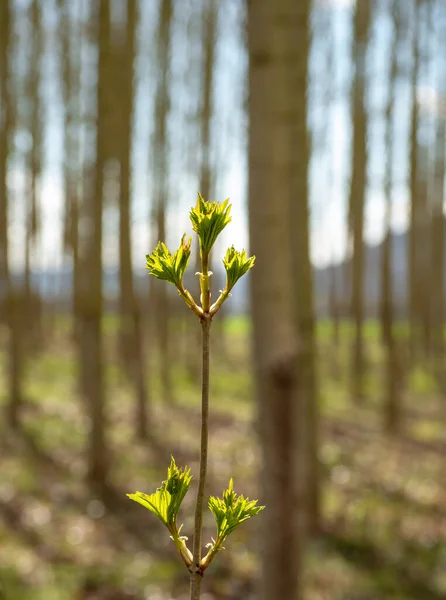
[(196, 571)]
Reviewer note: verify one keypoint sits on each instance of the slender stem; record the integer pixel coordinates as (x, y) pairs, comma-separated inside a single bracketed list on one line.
[(217, 304), (206, 561), (184, 551), (196, 571), (188, 299), (205, 283)]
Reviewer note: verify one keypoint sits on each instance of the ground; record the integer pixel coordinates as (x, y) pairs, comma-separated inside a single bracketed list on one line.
[(384, 499)]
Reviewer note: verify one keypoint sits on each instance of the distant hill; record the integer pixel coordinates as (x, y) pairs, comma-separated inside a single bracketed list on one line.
[(56, 284), (372, 278)]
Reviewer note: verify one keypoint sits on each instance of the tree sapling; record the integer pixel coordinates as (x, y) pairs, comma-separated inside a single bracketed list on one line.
[(208, 221)]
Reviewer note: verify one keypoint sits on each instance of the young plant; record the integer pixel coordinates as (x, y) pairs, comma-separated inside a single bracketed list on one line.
[(208, 221)]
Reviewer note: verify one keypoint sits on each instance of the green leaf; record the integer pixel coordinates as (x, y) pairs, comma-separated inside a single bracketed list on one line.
[(236, 264), (158, 503), (177, 485), (166, 501), (231, 510), (208, 221), (170, 267)]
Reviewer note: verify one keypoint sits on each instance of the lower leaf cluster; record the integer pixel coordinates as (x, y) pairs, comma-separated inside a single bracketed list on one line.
[(229, 511)]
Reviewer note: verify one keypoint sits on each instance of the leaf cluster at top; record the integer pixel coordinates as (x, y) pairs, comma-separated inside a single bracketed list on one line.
[(208, 221)]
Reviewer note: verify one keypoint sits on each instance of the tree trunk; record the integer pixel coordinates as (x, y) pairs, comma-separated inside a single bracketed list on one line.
[(9, 299), (71, 49), (331, 100), (5, 129), (392, 403), (91, 293), (32, 302), (162, 109), (302, 269), (278, 46), (437, 294), (424, 245), (334, 311), (131, 337), (209, 28), (415, 197), (357, 193)]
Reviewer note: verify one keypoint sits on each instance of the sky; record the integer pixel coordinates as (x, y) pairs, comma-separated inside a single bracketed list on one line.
[(330, 167)]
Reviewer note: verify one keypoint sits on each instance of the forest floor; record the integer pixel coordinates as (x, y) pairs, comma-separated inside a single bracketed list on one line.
[(384, 498)]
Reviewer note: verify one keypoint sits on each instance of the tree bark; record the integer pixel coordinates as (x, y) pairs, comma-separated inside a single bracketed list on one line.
[(302, 271), (91, 300), (71, 50), (392, 402), (131, 336), (334, 311), (358, 187), (9, 299), (437, 294), (275, 93), (162, 109), (209, 27), (415, 196), (32, 302), (5, 128)]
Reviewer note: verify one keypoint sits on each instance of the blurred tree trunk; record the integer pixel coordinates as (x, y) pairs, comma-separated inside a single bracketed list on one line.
[(425, 243), (9, 297), (91, 305), (331, 99), (131, 334), (437, 292), (209, 27), (299, 223), (386, 257), (209, 32), (392, 404), (5, 129), (415, 196), (438, 246), (358, 188), (31, 301), (161, 153), (123, 113), (334, 310), (70, 29), (278, 51)]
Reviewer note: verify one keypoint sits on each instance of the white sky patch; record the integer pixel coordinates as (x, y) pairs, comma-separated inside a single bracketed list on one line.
[(338, 3), (52, 215), (431, 102), (328, 239), (17, 185), (329, 191)]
